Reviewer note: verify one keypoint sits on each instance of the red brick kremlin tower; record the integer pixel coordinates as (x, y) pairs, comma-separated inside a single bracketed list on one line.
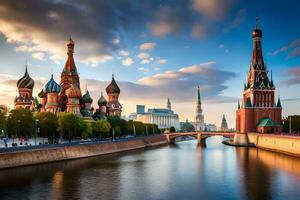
[(258, 112), (69, 75)]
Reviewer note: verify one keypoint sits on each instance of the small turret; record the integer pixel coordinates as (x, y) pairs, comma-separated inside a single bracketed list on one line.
[(278, 103)]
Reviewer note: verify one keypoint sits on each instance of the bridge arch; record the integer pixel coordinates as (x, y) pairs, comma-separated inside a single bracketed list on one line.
[(200, 136)]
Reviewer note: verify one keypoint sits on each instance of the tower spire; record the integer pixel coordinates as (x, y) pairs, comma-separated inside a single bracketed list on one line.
[(199, 97), (256, 20), (169, 104)]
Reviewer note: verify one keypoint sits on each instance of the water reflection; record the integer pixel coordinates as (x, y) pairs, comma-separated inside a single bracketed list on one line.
[(181, 171)]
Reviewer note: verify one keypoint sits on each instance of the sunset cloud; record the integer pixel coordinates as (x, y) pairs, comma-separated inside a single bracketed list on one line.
[(127, 62), (293, 49), (147, 46), (215, 9), (292, 76)]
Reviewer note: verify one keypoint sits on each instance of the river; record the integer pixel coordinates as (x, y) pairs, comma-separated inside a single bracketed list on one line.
[(181, 171)]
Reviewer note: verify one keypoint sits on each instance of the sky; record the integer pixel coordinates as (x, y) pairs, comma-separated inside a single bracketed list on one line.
[(155, 48)]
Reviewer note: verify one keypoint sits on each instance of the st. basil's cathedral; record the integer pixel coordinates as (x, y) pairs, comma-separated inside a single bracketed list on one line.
[(67, 96)]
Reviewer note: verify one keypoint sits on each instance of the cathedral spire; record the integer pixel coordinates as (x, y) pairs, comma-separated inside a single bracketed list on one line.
[(70, 66)]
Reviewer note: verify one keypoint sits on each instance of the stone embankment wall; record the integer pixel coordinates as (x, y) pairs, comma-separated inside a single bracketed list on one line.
[(15, 159), (280, 143)]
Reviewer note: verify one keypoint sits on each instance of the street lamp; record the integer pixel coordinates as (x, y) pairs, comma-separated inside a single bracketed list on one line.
[(18, 130), (36, 130), (134, 130), (113, 132), (290, 126)]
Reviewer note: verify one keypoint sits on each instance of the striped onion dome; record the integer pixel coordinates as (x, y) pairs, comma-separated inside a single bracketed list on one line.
[(73, 92), (86, 98), (52, 86), (102, 101), (26, 81), (42, 94)]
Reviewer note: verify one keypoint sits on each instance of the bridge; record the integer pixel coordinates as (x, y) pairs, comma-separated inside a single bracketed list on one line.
[(200, 136)]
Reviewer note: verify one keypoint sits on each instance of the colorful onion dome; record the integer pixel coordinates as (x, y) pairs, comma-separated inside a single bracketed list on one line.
[(86, 98), (26, 81), (113, 87), (257, 32), (73, 92), (102, 101), (52, 86), (42, 94)]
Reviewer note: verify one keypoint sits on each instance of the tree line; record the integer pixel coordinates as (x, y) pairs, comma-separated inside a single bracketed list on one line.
[(22, 122)]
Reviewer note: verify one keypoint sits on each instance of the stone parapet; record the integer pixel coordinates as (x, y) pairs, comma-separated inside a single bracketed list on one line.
[(38, 156)]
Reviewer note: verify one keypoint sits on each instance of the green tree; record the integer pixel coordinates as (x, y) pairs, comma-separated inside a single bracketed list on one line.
[(172, 129), (295, 124), (139, 128), (114, 121), (3, 119), (48, 124), (129, 128), (21, 122), (70, 125), (117, 132), (86, 129), (101, 128)]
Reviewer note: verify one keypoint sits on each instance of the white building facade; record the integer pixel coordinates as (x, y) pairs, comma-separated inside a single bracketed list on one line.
[(162, 117)]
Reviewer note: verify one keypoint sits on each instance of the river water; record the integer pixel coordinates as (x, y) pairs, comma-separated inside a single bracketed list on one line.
[(181, 171)]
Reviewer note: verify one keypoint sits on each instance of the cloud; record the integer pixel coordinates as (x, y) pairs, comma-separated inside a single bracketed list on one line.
[(124, 53), (221, 46), (95, 27), (147, 46), (293, 76), (162, 61), (116, 41), (143, 55), (156, 68), (127, 62), (167, 20), (143, 69), (210, 76), (199, 31), (38, 55), (146, 61), (293, 49), (238, 20), (207, 75), (214, 9)]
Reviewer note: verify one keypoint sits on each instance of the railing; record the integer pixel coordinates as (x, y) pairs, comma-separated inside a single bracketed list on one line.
[(66, 144)]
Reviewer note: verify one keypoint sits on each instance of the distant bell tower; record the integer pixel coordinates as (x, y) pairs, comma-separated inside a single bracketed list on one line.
[(224, 125), (169, 104), (199, 118)]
